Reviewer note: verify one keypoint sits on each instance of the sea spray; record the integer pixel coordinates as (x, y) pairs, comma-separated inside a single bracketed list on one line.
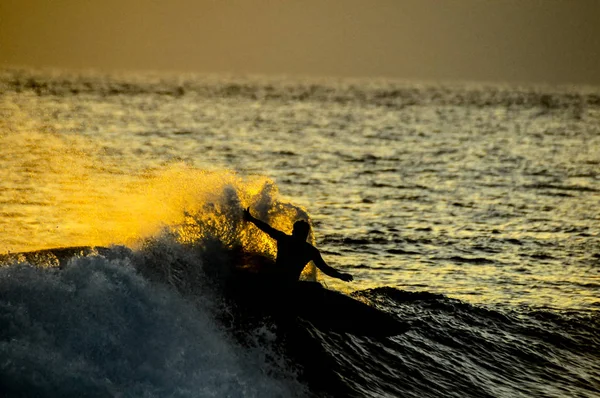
[(88, 201)]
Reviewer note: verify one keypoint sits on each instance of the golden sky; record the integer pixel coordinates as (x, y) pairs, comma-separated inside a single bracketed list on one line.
[(551, 41)]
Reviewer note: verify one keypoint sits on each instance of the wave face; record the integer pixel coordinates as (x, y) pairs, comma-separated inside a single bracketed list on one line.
[(458, 350), (117, 323)]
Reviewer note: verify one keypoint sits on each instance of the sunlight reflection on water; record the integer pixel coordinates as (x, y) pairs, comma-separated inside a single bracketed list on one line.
[(490, 204)]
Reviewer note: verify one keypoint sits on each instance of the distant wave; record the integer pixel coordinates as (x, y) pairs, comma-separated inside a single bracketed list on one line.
[(386, 94), (560, 187)]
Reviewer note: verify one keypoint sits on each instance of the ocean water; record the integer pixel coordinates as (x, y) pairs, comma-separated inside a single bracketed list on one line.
[(470, 211)]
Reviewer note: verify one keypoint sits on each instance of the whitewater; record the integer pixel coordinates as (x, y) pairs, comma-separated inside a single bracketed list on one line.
[(469, 211)]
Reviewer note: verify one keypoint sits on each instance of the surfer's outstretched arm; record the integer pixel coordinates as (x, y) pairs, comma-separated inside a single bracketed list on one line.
[(263, 226), (328, 270)]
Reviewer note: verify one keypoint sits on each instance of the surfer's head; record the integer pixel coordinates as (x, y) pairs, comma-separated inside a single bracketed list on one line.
[(301, 229)]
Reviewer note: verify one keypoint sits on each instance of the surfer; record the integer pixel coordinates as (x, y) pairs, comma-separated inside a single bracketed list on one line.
[(294, 252)]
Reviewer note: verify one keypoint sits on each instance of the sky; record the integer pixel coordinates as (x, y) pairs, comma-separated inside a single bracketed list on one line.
[(520, 41)]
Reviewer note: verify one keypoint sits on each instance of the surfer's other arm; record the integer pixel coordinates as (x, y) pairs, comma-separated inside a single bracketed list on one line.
[(263, 226), (328, 270)]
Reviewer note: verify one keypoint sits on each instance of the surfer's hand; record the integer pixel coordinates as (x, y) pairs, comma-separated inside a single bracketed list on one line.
[(346, 277), (247, 215)]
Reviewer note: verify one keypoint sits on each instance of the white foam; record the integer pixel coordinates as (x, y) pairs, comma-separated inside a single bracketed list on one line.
[(97, 327)]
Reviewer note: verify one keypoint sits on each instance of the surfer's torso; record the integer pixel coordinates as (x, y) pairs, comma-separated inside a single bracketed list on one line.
[(292, 256)]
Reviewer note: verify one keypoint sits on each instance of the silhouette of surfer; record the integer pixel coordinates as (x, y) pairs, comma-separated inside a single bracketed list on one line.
[(294, 252)]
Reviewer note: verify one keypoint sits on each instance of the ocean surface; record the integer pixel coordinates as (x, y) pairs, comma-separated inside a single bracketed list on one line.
[(470, 211)]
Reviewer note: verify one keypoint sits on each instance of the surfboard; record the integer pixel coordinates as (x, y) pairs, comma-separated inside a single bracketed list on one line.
[(336, 311), (324, 308)]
